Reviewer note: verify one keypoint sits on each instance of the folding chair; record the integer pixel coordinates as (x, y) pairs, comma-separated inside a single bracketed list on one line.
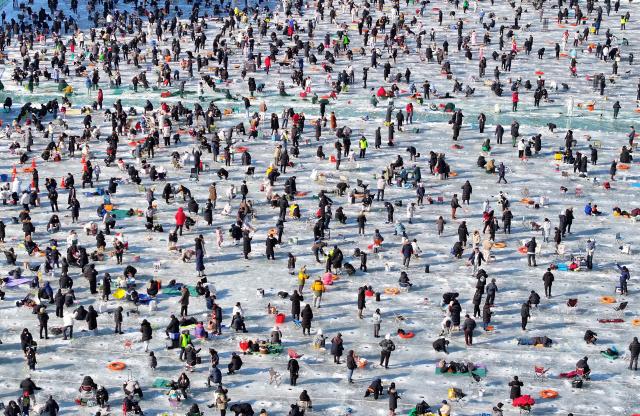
[(572, 304), (619, 239), (578, 191), (620, 309), (561, 251), (540, 373), (193, 175)]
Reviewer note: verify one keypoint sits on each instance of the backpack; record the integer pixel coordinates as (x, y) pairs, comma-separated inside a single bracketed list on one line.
[(422, 407)]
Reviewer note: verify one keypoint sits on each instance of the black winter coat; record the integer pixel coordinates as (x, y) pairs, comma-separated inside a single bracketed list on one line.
[(92, 318), (295, 303), (336, 347), (515, 389), (146, 330)]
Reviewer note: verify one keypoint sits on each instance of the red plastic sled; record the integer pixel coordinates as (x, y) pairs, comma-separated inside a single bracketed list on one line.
[(293, 354)]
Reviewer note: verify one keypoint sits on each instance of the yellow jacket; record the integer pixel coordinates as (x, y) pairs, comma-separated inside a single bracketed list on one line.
[(317, 286), (302, 277)]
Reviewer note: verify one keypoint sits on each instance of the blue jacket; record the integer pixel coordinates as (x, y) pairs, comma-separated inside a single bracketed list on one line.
[(624, 275)]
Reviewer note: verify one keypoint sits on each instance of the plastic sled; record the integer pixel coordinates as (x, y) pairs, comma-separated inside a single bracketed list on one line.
[(119, 293), (293, 354), (480, 372)]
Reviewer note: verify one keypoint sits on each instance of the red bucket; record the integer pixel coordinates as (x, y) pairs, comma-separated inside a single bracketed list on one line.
[(280, 318)]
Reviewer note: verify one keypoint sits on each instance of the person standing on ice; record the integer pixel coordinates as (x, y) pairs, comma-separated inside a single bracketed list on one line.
[(548, 279), (411, 210), (525, 314), (337, 348), (180, 218), (634, 349), (625, 276), (387, 346), (516, 386), (502, 170), (467, 189), (454, 206), (616, 109), (468, 326), (531, 252), (491, 290), (476, 258)]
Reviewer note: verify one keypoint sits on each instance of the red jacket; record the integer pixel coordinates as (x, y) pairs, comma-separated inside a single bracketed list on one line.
[(514, 97), (100, 95), (180, 217), (267, 61)]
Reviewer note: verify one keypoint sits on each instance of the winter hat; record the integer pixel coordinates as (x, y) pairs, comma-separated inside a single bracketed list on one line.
[(388, 336), (585, 358), (444, 402), (500, 405)]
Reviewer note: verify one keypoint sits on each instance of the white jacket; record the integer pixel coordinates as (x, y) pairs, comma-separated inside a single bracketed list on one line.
[(24, 199), (237, 309), (411, 209), (67, 320), (546, 227)]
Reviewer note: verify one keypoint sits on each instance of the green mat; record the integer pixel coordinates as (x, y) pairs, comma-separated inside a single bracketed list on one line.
[(480, 372), (161, 382), (413, 413), (120, 213), (174, 291), (273, 349)]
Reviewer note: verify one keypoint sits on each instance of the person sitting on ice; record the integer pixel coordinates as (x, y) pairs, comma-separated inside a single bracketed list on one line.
[(88, 384), (584, 366), (590, 337), (404, 281), (131, 387)]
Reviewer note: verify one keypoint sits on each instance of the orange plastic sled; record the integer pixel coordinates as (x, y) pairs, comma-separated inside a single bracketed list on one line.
[(548, 394), (116, 366)]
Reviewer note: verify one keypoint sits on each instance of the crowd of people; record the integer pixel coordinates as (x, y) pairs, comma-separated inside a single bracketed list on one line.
[(183, 134)]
